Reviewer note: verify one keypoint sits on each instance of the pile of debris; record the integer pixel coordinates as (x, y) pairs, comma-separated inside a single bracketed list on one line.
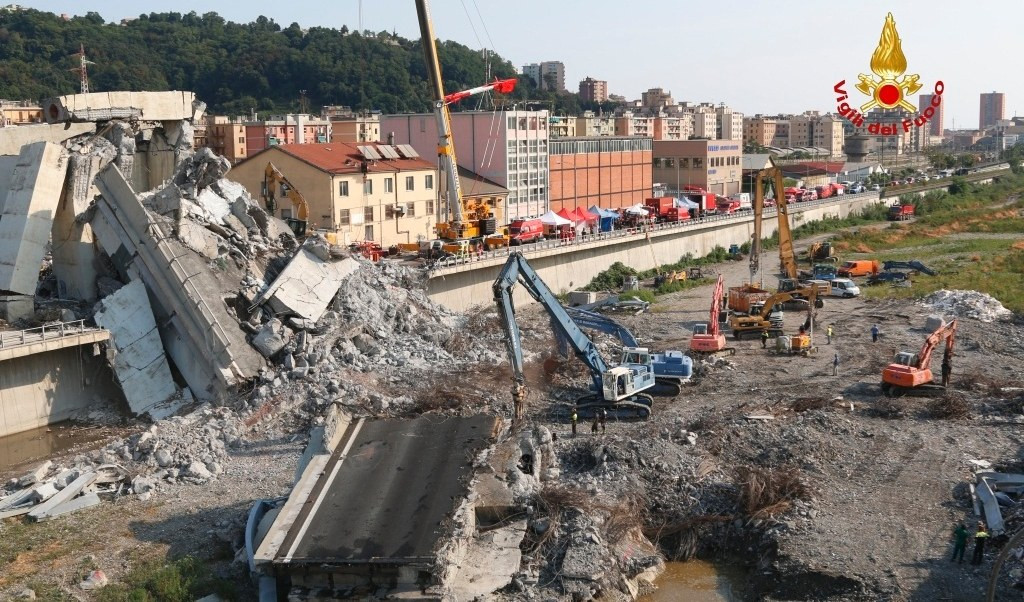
[(50, 491), (969, 304)]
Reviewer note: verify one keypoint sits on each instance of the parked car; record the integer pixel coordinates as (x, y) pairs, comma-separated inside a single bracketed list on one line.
[(844, 287), (875, 187)]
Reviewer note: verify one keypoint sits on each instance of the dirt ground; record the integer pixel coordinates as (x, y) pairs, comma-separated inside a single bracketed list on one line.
[(883, 504)]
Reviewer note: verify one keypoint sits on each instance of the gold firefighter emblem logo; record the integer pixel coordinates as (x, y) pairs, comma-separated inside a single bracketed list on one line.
[(888, 88)]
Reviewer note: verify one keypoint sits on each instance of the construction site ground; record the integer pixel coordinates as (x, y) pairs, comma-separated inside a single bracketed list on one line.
[(885, 479)]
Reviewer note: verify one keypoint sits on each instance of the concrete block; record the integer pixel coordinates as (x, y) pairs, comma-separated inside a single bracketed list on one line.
[(139, 363), (36, 475), (13, 138), (199, 239), (103, 106), (27, 218), (307, 285), (16, 307)]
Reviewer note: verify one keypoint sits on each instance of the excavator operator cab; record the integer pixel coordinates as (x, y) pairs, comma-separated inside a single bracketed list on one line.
[(618, 383), (635, 356), (905, 358), (700, 328)]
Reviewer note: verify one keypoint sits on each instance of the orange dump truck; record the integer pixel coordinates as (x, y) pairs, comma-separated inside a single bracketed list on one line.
[(742, 297)]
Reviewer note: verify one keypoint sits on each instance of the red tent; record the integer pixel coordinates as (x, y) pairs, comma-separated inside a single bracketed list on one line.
[(570, 215), (585, 215)]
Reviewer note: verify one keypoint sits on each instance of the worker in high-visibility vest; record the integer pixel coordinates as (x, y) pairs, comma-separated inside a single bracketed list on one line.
[(979, 543)]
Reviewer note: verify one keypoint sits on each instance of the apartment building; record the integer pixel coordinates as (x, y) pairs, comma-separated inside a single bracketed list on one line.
[(901, 142), (728, 124), (673, 127), (286, 129), (590, 125), (935, 126), (766, 131), (19, 112), (705, 119), (561, 127), (548, 75), (509, 148), (812, 129), (607, 171), (656, 98), (714, 165), (634, 124), (351, 126), (593, 90), (225, 136), (359, 197), (992, 108)]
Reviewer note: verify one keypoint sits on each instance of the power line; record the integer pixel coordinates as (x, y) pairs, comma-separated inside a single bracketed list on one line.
[(470, 19)]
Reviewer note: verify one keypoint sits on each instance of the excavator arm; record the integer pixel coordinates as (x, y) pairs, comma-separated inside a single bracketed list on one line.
[(274, 180), (595, 321), (787, 258), (908, 265), (946, 332), (517, 270), (808, 292), (714, 327)]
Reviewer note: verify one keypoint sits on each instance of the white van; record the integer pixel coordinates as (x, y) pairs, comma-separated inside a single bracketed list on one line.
[(844, 287)]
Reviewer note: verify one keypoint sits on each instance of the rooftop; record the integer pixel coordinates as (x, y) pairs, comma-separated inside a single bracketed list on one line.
[(341, 157)]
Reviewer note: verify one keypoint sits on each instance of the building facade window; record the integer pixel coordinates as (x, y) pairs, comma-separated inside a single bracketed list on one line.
[(343, 188), (410, 209), (368, 214), (389, 185), (428, 181), (389, 211), (345, 218), (368, 187), (410, 183), (430, 207)]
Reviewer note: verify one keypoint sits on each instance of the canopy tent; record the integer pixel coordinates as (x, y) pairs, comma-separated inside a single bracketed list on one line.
[(553, 219), (569, 215), (607, 218), (637, 209), (585, 215)]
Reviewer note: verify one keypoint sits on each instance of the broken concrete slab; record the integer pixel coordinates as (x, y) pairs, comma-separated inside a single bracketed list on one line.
[(82, 502), (493, 559), (12, 139), (172, 105), (199, 239), (28, 213), (990, 506), (64, 495), (307, 285), (271, 338), (199, 332), (36, 475), (139, 361)]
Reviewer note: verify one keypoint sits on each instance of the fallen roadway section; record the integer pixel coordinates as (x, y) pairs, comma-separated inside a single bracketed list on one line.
[(376, 512)]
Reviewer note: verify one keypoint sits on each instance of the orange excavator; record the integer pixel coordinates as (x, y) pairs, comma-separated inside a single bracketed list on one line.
[(910, 373), (708, 338)]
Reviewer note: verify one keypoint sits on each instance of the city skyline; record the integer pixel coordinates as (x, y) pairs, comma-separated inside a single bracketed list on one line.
[(756, 72)]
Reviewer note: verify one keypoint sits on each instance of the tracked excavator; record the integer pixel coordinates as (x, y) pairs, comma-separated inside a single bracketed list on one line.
[(708, 339), (911, 374), (623, 390), (276, 186), (763, 317)]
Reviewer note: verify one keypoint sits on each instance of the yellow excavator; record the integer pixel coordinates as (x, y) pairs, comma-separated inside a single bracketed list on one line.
[(764, 318), (276, 186)]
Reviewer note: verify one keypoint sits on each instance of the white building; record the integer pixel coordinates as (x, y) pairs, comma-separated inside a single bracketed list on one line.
[(509, 148), (729, 124)]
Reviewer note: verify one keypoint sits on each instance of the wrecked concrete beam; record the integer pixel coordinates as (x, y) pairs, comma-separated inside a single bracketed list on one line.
[(139, 364), (172, 105), (27, 215), (62, 496), (82, 502), (306, 285), (199, 332), (13, 138)]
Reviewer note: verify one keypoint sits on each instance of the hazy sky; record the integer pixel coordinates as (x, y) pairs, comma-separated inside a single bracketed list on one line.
[(757, 57)]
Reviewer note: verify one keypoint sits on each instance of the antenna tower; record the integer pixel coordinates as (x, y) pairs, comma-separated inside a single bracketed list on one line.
[(81, 69)]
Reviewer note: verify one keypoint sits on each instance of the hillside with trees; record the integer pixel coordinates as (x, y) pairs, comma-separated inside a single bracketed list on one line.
[(239, 67)]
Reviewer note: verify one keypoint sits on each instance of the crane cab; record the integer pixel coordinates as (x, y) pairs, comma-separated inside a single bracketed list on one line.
[(905, 358)]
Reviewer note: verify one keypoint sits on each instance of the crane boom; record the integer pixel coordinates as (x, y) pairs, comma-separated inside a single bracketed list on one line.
[(787, 257)]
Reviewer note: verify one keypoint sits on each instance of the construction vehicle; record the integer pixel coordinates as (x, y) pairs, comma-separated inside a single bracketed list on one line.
[(474, 220), (619, 389), (821, 251), (787, 258), (765, 317), (707, 338), (275, 186), (742, 298), (820, 271), (891, 271), (670, 277), (910, 373), (900, 213), (671, 368)]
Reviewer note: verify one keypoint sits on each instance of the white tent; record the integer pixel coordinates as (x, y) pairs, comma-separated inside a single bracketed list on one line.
[(685, 203), (553, 219), (637, 209)]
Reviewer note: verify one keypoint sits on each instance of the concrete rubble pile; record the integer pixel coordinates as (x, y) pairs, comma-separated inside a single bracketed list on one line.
[(50, 491), (969, 304)]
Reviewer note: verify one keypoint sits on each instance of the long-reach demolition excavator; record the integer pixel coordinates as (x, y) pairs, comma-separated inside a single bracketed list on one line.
[(465, 221), (708, 339), (911, 373), (761, 317), (624, 389), (276, 186)]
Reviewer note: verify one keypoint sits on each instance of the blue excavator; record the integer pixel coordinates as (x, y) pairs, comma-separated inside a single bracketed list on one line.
[(891, 271), (622, 390)]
